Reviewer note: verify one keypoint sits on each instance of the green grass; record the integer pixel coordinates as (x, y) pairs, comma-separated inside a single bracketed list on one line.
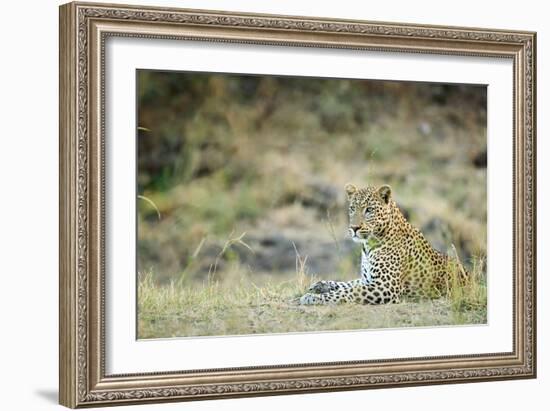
[(236, 306)]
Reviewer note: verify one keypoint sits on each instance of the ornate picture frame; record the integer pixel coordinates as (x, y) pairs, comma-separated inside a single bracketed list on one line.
[(84, 29)]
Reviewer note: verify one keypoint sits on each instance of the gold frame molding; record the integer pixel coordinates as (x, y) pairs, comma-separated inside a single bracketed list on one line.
[(84, 28)]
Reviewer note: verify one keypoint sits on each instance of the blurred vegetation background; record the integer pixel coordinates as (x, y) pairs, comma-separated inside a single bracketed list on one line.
[(245, 173)]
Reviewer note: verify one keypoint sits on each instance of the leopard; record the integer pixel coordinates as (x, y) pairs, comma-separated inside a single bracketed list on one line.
[(397, 261)]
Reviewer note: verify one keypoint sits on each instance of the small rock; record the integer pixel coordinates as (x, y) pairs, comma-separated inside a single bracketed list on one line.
[(425, 128), (320, 195), (480, 159), (437, 232)]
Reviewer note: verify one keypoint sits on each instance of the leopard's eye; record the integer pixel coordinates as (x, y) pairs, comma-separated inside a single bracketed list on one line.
[(368, 210)]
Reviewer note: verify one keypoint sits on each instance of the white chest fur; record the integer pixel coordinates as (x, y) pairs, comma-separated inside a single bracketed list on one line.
[(366, 271)]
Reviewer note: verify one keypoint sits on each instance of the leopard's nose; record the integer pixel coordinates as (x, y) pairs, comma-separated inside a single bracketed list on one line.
[(353, 229)]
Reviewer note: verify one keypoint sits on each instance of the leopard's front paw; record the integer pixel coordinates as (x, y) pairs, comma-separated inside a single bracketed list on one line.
[(309, 299), (320, 287)]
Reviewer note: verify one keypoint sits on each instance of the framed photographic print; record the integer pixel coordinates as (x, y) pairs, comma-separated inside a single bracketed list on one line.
[(259, 204)]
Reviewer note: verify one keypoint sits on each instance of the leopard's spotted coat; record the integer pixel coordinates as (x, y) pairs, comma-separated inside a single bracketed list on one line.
[(396, 259)]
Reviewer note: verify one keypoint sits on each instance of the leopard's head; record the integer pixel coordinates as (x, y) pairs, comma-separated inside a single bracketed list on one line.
[(370, 211)]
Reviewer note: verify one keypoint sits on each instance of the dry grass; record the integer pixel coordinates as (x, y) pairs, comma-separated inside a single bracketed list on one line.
[(235, 305)]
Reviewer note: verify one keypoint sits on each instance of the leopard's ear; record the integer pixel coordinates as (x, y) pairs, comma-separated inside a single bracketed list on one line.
[(350, 190), (385, 193)]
